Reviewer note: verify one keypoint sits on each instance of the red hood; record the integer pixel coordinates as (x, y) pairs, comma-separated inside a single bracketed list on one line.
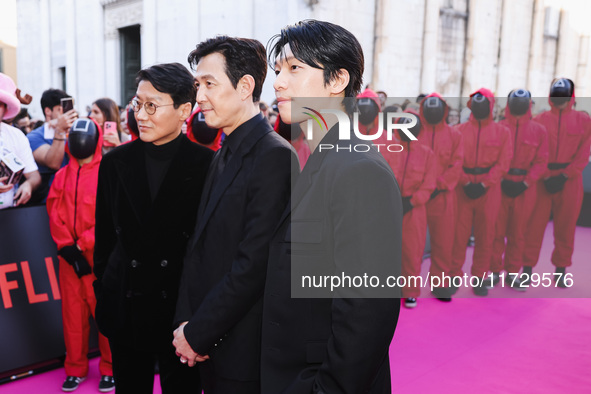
[(424, 120), (569, 105), (368, 93), (98, 152), (215, 145), (491, 98)]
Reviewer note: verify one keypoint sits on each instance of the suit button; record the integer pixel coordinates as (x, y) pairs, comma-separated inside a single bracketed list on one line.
[(185, 234), (128, 294), (163, 263), (134, 263), (164, 295), (118, 230)]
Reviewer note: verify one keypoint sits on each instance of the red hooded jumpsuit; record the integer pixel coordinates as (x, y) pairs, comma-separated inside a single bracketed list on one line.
[(569, 142), (415, 169), (487, 152), (530, 157), (446, 143), (215, 145), (300, 144), (71, 206)]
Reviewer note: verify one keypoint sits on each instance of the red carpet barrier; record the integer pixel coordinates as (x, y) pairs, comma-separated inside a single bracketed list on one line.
[(30, 306)]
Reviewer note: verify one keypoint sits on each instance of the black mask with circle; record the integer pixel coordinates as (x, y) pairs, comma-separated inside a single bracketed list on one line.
[(83, 138), (433, 110), (518, 102), (480, 106)]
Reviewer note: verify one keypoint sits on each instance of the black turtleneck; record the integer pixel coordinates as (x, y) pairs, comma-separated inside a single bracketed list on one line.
[(158, 159)]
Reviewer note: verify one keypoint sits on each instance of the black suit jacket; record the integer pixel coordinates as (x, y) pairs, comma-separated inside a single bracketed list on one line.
[(140, 244), (345, 216), (226, 263)]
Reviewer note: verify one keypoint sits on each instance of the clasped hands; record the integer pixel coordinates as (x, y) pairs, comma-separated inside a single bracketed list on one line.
[(184, 350)]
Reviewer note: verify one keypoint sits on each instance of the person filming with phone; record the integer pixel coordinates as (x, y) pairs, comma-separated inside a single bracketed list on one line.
[(48, 142), (105, 112)]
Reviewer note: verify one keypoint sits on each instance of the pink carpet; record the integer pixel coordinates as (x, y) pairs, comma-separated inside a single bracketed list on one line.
[(471, 345)]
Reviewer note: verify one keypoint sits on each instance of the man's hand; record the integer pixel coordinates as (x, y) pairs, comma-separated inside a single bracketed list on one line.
[(65, 121), (183, 349), (5, 188), (23, 194)]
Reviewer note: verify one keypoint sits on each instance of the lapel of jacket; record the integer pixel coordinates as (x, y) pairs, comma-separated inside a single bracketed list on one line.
[(134, 179), (230, 171)]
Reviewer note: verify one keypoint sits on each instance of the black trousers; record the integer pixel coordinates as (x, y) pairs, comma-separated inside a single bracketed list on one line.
[(215, 384), (133, 369)]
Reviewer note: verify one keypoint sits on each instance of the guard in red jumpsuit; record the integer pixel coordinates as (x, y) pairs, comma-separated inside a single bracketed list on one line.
[(71, 207), (530, 157), (487, 154), (416, 173), (560, 190), (369, 107), (198, 131), (446, 143), (293, 133)]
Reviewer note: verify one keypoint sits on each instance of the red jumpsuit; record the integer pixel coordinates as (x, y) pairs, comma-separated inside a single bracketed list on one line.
[(446, 143), (487, 151), (71, 207), (300, 144), (416, 172), (530, 157), (569, 143)]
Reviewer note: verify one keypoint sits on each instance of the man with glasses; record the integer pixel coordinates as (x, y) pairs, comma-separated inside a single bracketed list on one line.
[(146, 209)]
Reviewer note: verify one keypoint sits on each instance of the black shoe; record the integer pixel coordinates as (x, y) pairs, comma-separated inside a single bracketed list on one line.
[(72, 383), (453, 289), (490, 283), (106, 384), (561, 283), (517, 284), (410, 302), (444, 299), (442, 293), (480, 291)]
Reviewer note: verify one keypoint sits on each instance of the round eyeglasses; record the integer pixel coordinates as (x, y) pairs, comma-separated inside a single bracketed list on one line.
[(148, 106)]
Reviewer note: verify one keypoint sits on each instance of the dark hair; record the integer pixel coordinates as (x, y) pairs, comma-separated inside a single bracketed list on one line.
[(131, 122), (325, 46), (110, 111), (173, 79), (52, 97), (23, 113), (244, 56)]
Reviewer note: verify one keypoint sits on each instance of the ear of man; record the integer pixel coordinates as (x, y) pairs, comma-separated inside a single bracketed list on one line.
[(339, 83), (245, 86)]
